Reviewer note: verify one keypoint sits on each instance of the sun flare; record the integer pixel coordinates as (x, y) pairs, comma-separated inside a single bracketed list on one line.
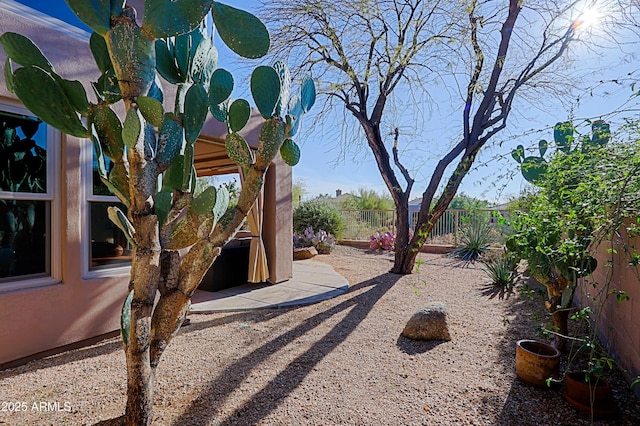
[(588, 19)]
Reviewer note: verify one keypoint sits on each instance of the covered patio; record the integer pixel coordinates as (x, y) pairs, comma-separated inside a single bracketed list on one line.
[(312, 282)]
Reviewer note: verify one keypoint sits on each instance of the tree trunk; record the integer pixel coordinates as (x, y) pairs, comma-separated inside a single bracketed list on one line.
[(404, 256), (404, 261), (555, 289)]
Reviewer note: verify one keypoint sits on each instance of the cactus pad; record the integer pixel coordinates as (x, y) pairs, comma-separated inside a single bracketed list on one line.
[(125, 319), (265, 89), (242, 32), (132, 128), (170, 140), (168, 18), (220, 86), (239, 113), (45, 98), (203, 203), (95, 13), (270, 138), (166, 64), (100, 52), (307, 94), (22, 51), (285, 86), (151, 110), (563, 136), (195, 111), (120, 220), (237, 149), (290, 152), (109, 131)]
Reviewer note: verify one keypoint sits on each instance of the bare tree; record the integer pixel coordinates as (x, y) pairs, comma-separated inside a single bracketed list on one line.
[(485, 54)]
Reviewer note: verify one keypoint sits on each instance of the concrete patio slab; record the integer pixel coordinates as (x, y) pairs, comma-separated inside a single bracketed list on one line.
[(312, 282)]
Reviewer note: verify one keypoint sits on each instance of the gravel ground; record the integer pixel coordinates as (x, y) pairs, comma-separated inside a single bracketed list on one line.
[(338, 362)]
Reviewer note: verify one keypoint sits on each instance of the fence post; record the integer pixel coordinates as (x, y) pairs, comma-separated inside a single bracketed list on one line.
[(456, 217), (394, 227)]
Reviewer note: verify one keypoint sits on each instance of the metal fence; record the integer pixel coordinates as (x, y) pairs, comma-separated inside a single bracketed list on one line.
[(361, 224)]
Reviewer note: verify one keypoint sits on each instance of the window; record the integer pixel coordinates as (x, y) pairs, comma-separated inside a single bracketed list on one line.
[(28, 150), (108, 248)]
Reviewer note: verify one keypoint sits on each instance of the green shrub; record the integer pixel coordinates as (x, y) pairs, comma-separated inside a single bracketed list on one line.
[(318, 214)]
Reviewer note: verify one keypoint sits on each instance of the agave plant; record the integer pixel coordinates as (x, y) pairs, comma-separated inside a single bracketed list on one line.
[(501, 270), (475, 240)]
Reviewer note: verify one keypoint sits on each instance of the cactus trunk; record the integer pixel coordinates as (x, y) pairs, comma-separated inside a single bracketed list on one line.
[(140, 374), (161, 221)]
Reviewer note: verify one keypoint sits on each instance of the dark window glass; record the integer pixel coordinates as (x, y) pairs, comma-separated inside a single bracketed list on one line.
[(99, 188), (24, 238), (109, 246), (23, 154)]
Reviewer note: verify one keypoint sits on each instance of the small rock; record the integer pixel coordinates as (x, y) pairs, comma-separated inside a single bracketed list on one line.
[(304, 253), (429, 323)]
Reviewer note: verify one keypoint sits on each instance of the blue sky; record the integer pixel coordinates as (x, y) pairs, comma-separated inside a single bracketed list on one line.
[(324, 168)]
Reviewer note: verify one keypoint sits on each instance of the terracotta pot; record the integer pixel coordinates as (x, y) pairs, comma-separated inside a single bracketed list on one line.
[(593, 397), (536, 362)]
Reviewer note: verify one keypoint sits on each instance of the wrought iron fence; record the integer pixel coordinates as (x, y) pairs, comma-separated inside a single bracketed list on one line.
[(361, 224)]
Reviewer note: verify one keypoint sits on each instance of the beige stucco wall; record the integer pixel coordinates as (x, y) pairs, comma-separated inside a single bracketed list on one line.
[(74, 309), (81, 305), (618, 321)]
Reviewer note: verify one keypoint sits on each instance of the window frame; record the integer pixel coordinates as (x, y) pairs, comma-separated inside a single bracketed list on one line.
[(86, 158), (52, 196)]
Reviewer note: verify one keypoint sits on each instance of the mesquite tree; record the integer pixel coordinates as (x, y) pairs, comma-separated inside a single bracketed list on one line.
[(151, 150), (372, 53)]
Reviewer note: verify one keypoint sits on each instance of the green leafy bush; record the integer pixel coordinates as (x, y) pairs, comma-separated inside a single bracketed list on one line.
[(318, 214)]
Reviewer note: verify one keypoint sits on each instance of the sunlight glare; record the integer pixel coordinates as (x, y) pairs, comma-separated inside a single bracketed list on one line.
[(589, 18)]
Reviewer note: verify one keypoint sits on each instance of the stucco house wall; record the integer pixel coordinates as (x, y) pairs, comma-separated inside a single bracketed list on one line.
[(618, 322), (75, 304)]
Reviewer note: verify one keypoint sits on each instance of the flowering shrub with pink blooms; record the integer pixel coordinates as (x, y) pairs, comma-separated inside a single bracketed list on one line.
[(321, 240), (382, 241)]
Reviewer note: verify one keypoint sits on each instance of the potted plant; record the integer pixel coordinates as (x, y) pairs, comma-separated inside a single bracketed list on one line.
[(590, 394), (537, 363)]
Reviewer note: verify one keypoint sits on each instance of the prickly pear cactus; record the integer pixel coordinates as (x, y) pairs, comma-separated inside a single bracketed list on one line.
[(154, 142), (533, 168)]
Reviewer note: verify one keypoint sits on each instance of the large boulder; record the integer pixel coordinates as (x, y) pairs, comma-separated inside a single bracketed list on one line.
[(304, 253), (429, 323)]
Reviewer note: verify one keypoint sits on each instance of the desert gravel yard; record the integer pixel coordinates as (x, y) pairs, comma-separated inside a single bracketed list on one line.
[(338, 362)]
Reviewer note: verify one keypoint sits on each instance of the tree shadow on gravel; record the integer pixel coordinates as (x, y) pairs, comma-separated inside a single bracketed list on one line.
[(415, 347), (114, 344), (118, 421), (270, 396)]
